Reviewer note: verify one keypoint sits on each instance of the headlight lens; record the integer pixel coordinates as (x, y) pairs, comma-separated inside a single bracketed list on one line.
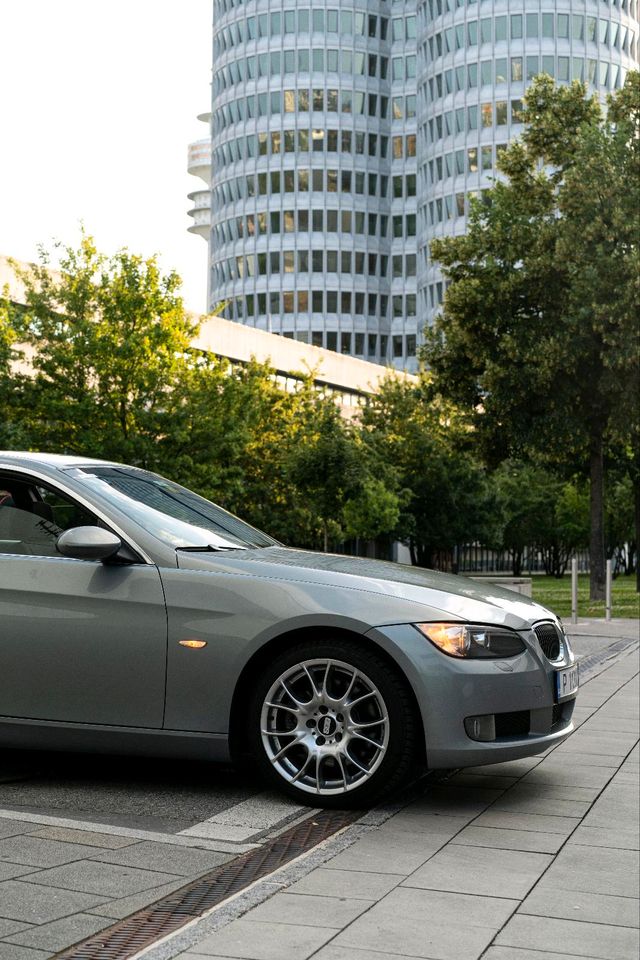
[(472, 642)]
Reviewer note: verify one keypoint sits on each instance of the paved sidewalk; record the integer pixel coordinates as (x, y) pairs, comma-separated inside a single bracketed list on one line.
[(530, 860)]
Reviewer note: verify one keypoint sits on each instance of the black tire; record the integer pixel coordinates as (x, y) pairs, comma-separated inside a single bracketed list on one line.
[(391, 723)]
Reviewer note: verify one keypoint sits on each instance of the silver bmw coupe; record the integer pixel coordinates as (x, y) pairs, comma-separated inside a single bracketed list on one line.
[(137, 617)]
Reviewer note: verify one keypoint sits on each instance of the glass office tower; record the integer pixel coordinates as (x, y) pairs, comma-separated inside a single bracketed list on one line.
[(475, 62), (345, 136)]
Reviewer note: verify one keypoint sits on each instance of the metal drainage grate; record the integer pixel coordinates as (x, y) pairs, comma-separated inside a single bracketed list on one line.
[(128, 937), (588, 665)]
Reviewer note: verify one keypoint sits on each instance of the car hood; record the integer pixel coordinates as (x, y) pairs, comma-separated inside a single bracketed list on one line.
[(441, 595)]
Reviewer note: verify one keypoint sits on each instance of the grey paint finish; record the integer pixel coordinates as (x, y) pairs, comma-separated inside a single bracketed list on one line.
[(86, 647), (81, 641)]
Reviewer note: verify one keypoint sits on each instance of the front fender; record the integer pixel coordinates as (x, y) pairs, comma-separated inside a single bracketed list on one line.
[(237, 615)]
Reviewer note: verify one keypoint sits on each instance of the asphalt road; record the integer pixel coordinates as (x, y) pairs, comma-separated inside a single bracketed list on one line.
[(198, 801)]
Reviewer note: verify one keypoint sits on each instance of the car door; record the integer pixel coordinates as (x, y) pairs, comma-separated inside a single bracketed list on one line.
[(81, 641)]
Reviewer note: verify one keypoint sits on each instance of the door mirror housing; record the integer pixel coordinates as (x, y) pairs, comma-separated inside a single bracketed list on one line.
[(88, 543)]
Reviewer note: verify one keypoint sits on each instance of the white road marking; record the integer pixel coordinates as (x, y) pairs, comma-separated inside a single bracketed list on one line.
[(244, 820), (177, 839)]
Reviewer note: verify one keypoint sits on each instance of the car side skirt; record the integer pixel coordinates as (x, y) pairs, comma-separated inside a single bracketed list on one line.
[(130, 741)]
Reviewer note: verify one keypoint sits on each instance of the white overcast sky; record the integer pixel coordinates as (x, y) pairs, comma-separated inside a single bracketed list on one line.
[(98, 102)]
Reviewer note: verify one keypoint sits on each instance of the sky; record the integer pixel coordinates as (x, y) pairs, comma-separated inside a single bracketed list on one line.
[(98, 103)]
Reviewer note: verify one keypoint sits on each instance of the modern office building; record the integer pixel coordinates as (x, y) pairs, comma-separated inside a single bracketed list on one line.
[(344, 137), (475, 62)]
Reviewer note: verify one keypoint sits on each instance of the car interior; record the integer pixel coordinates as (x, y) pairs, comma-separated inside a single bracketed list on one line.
[(32, 517)]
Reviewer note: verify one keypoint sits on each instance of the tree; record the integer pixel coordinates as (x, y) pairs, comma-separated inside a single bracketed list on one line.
[(441, 485), (330, 467), (12, 380), (537, 336), (523, 493), (109, 337)]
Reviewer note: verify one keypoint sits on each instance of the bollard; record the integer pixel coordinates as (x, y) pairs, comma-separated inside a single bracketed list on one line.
[(607, 602), (574, 590)]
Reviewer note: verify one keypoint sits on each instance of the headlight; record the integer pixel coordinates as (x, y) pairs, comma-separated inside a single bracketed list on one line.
[(473, 642)]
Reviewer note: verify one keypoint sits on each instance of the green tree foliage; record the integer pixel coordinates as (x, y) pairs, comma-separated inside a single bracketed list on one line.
[(538, 508), (108, 339), (443, 493), (537, 337), (12, 434), (331, 468), (114, 376)]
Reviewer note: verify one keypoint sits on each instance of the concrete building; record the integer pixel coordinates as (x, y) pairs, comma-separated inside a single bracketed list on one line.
[(343, 138), (349, 380)]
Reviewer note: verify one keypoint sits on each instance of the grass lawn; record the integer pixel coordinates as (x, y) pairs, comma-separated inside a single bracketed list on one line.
[(556, 594)]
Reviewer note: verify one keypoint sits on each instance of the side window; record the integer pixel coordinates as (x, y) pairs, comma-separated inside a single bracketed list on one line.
[(33, 516)]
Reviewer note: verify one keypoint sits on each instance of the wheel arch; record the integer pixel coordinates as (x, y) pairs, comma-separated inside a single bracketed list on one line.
[(237, 727)]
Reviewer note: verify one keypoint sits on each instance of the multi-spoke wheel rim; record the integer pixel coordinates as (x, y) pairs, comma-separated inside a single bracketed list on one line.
[(325, 726)]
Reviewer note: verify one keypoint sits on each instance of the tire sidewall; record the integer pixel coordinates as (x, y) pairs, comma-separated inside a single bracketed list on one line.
[(392, 689)]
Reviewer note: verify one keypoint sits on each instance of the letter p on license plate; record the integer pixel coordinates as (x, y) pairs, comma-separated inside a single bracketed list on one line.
[(567, 683)]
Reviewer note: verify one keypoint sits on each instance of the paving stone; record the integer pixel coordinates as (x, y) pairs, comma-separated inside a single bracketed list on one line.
[(542, 793), (479, 870), (396, 853), (117, 909), (617, 804), (533, 841), (309, 911), (515, 953), (182, 861), (345, 883), (595, 870), (427, 923), (8, 927), (42, 853), (615, 836), (421, 823), (9, 951), (11, 870), (456, 802), (566, 754), (10, 828), (510, 768), (514, 820), (257, 940), (334, 951), (190, 955), (559, 772), (60, 933), (35, 904), (602, 723), (578, 905), (583, 939), (606, 745), (107, 841), (492, 782), (532, 804), (105, 879)]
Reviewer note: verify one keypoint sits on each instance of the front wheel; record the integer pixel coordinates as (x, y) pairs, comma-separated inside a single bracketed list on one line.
[(332, 725)]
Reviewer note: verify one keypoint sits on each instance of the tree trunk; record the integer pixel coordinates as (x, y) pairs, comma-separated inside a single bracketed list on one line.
[(517, 563), (596, 542), (325, 538)]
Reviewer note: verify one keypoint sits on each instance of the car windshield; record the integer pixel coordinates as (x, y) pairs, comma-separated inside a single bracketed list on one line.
[(170, 512)]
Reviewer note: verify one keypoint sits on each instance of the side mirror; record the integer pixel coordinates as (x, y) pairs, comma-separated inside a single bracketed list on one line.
[(88, 543)]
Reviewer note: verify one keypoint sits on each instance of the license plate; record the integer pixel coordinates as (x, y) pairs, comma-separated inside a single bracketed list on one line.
[(567, 683)]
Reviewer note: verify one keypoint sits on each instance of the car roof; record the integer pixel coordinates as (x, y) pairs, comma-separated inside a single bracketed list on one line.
[(60, 460)]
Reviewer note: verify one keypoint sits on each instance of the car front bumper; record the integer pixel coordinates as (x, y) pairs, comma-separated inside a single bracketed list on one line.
[(476, 712)]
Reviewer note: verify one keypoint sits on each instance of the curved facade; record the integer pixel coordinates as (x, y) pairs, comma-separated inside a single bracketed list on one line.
[(303, 158), (344, 137), (476, 60)]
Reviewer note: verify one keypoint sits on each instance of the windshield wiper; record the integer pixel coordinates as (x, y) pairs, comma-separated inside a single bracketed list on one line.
[(210, 547)]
